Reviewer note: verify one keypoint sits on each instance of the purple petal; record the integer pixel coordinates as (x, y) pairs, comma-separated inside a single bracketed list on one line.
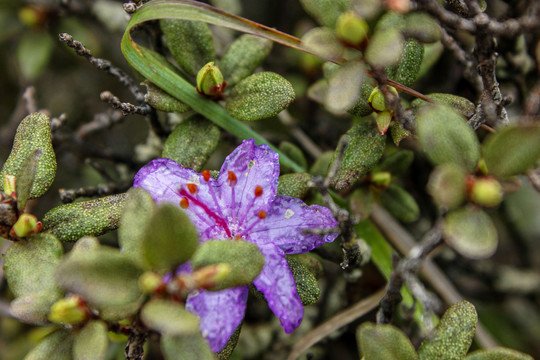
[(277, 284), (286, 221), (167, 182), (257, 170), (220, 313)]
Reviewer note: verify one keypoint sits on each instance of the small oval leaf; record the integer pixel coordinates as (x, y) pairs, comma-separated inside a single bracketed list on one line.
[(306, 282), (446, 137), (384, 342), (245, 259), (170, 238), (345, 87), (259, 96), (512, 150), (57, 345), (471, 233), (34, 308), (295, 185), (453, 336), (91, 342), (192, 142), (447, 186), (192, 347), (400, 203), (33, 133), (160, 100), (498, 353), (326, 12), (169, 318), (70, 222)]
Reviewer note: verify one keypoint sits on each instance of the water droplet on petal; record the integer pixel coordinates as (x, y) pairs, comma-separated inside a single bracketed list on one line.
[(288, 214), (251, 164)]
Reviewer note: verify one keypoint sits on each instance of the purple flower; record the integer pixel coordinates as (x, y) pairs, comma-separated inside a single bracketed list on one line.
[(242, 204)]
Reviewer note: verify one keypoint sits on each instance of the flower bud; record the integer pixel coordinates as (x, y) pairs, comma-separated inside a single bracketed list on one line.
[(70, 310), (383, 121), (209, 276), (377, 101), (210, 81), (486, 192), (150, 281), (351, 28), (381, 179), (10, 186), (27, 224)]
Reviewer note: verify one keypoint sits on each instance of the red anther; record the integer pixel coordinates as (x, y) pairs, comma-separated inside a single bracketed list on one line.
[(261, 214), (184, 203), (258, 191), (192, 188), (232, 178), (206, 175), (237, 237)]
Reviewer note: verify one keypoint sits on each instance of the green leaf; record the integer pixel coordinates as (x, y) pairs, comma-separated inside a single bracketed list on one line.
[(70, 222), (259, 96), (190, 42), (33, 133), (446, 137), (397, 162), (384, 342), (29, 264), (26, 177), (192, 347), (447, 186), (422, 27), (169, 318), (306, 282), (242, 57), (385, 47), (192, 142), (33, 53), (134, 220), (361, 203), (227, 351), (294, 152), (34, 308), (362, 108), (170, 238), (295, 185), (146, 61), (471, 233), (498, 353), (409, 65), (365, 148), (321, 164), (57, 345), (322, 42), (104, 277), (453, 336), (326, 12), (245, 259), (345, 87), (459, 104), (160, 100), (398, 132), (400, 203), (512, 150), (91, 342)]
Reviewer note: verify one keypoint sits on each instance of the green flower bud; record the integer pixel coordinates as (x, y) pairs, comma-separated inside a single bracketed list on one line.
[(10, 186), (351, 28), (27, 224), (70, 310), (149, 282), (381, 179), (383, 121), (210, 81), (209, 276), (486, 192), (377, 101)]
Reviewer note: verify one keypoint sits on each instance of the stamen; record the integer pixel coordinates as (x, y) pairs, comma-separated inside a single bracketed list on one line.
[(232, 178), (261, 214), (192, 188), (184, 203), (219, 221), (206, 175), (258, 191)]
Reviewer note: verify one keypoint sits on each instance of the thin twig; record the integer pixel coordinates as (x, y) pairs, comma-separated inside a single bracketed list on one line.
[(125, 107), (30, 99), (343, 318), (69, 195)]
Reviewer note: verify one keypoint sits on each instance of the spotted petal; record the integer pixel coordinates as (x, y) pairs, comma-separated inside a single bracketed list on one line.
[(277, 284), (220, 313), (256, 170), (285, 224), (167, 181)]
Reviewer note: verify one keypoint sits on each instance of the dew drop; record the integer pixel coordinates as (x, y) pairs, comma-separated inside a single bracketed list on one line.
[(288, 214)]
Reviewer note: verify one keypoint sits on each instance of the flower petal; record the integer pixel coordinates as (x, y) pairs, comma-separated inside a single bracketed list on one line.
[(256, 169), (277, 284), (220, 313), (286, 221), (167, 181)]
